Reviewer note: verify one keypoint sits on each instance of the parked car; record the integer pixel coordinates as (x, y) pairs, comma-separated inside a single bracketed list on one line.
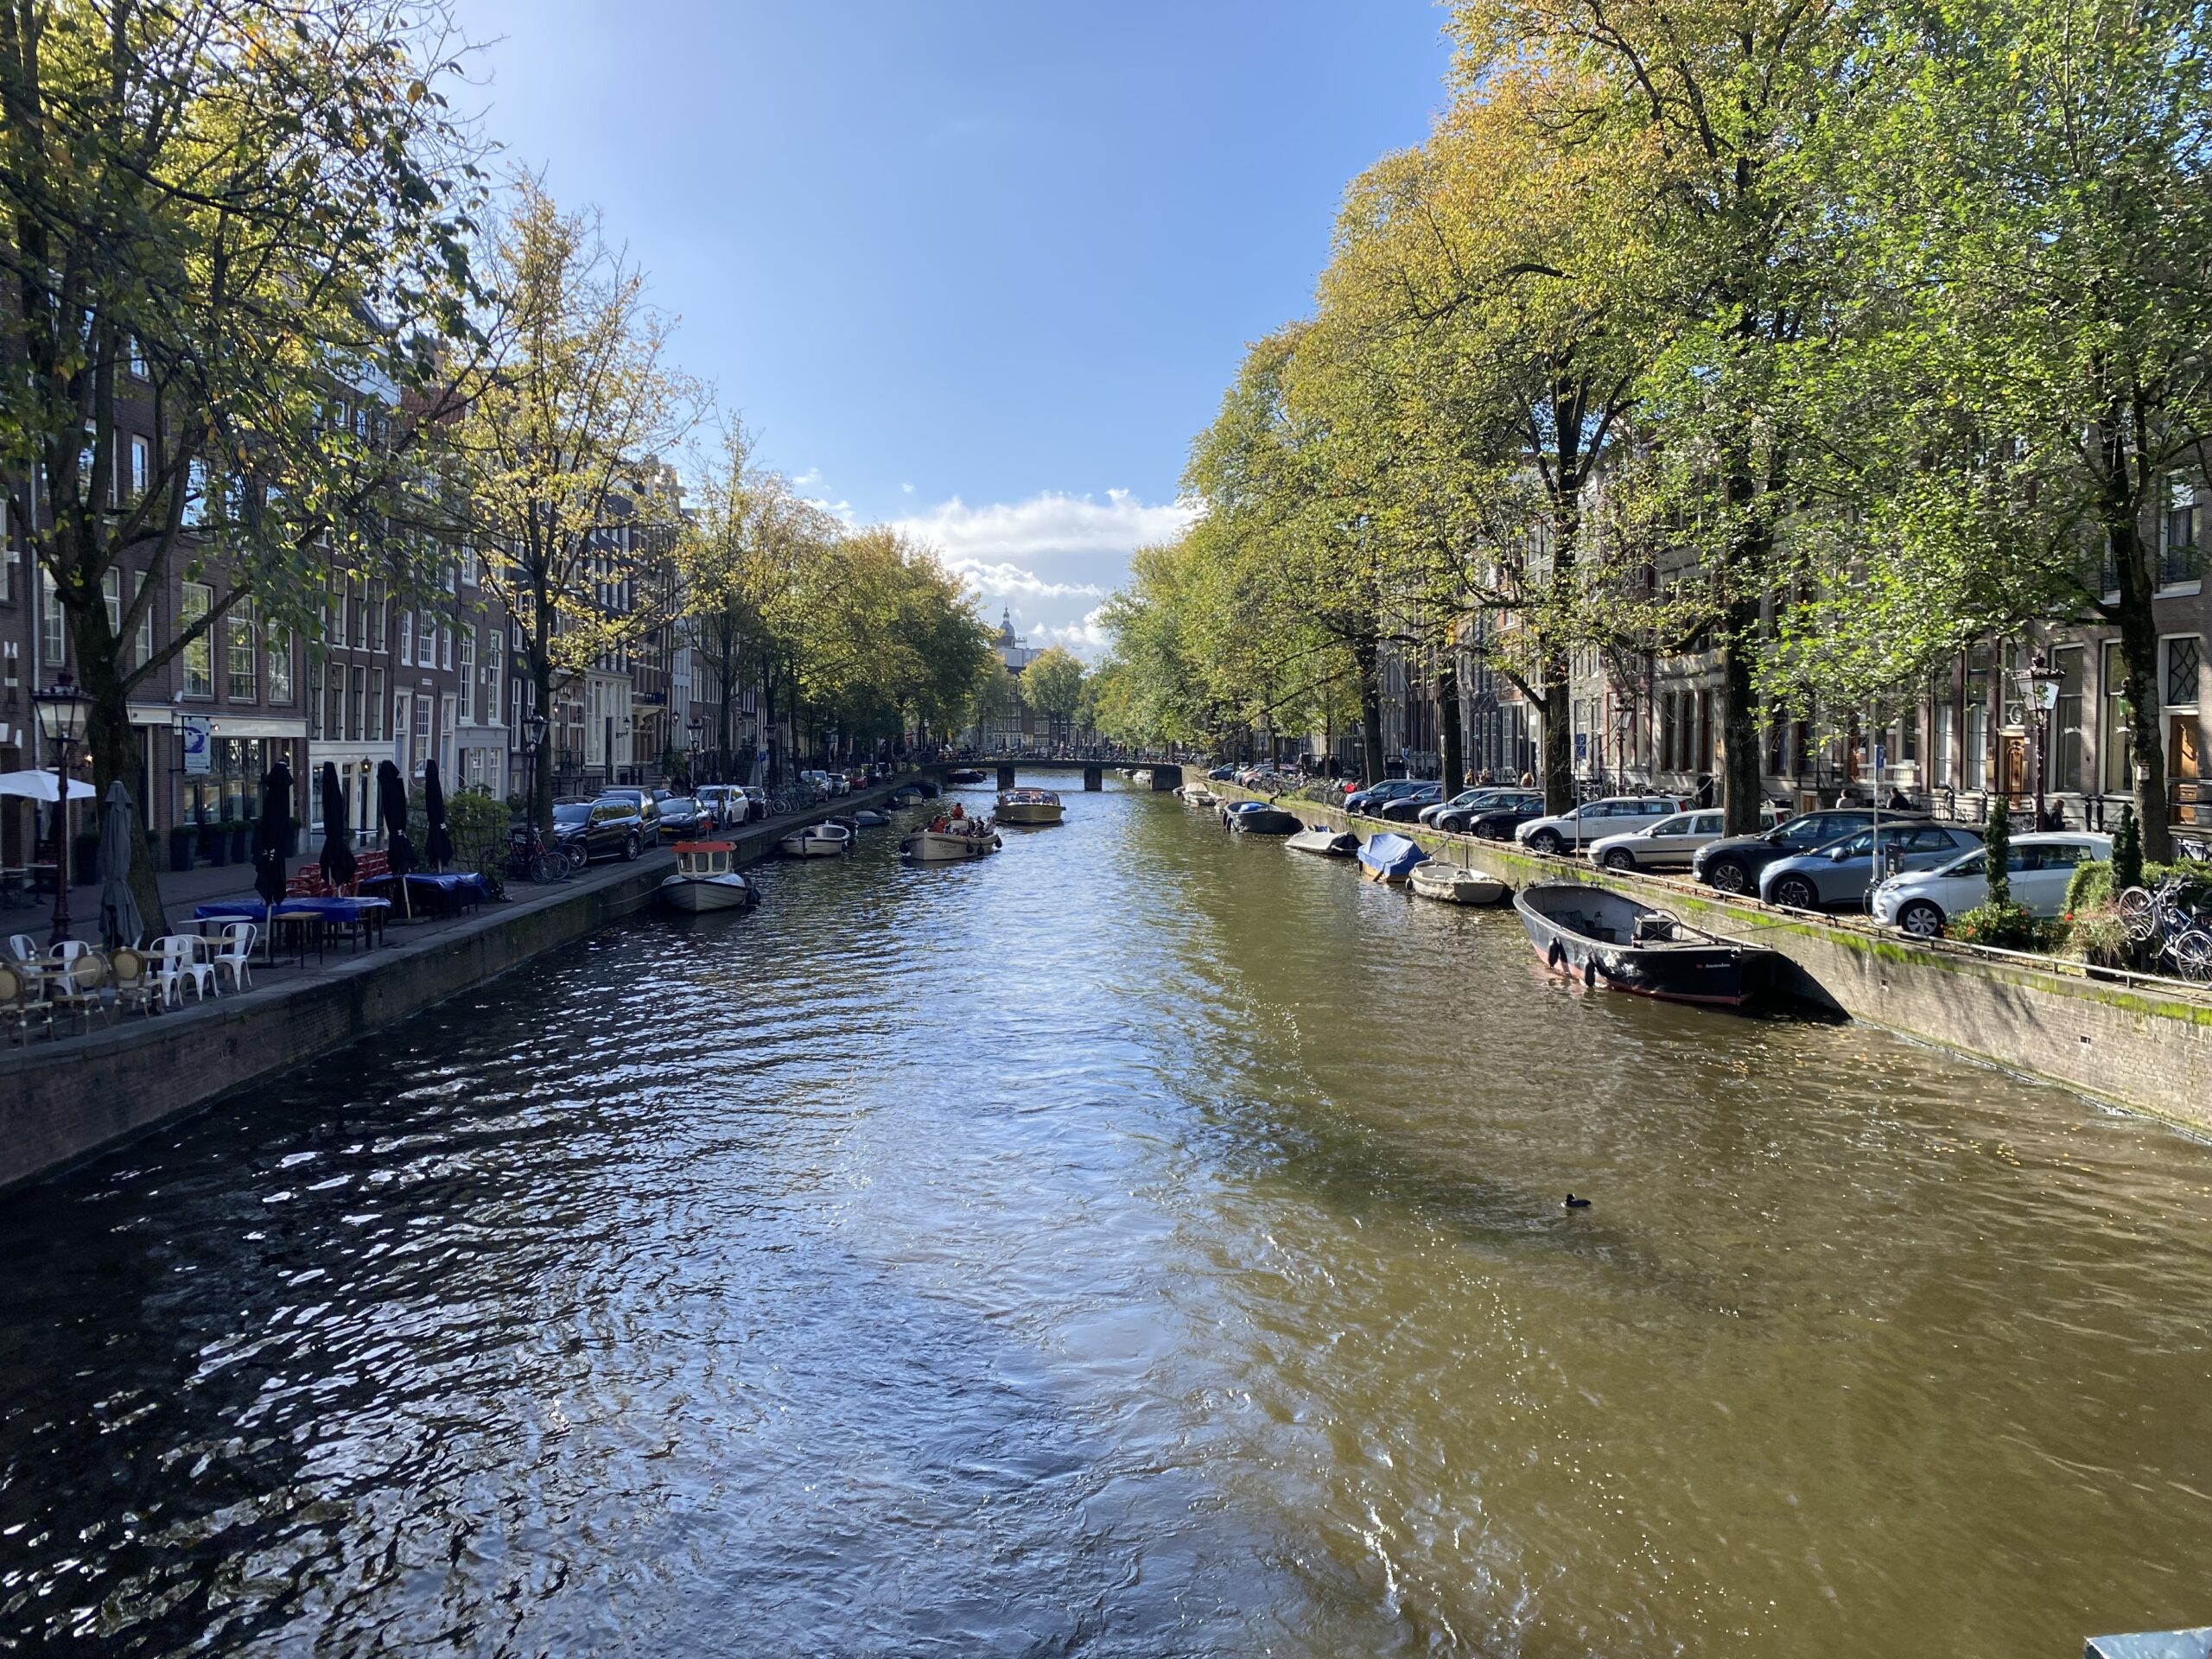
[(607, 828), (1218, 775), (1666, 845), (648, 809), (1844, 872), (1497, 820), (1407, 808), (1593, 821), (2039, 867), (681, 816), (733, 804), (1734, 863), (1477, 795), (1375, 795)]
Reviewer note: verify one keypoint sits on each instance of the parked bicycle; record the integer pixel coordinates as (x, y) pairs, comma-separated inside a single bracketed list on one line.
[(2157, 918), (530, 858)]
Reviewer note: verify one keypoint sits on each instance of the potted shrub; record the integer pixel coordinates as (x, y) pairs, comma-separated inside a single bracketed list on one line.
[(184, 838), (241, 840), (85, 856), (214, 844)]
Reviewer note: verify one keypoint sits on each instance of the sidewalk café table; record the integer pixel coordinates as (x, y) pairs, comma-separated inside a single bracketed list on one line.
[(448, 893), (364, 918)]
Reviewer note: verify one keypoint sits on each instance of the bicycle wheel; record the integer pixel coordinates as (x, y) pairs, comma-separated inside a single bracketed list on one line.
[(547, 866), (2192, 954), (2138, 915)]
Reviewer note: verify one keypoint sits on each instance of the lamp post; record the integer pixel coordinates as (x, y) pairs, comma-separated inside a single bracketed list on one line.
[(533, 741), (697, 727), (63, 710), (2041, 682)]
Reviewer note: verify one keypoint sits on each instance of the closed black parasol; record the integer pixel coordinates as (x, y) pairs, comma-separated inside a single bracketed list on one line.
[(338, 864), (391, 807), (271, 833), (437, 845)]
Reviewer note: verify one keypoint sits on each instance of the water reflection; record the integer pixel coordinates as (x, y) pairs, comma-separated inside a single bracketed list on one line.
[(1142, 1241)]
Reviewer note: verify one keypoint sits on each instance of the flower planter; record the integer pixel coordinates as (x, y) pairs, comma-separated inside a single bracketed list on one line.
[(85, 859), (241, 842), (183, 842), (214, 844)]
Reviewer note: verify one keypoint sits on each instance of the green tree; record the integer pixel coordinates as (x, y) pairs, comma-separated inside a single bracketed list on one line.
[(1053, 684), (234, 212)]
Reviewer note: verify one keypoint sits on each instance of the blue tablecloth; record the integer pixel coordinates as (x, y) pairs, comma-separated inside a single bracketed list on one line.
[(456, 882), (252, 910)]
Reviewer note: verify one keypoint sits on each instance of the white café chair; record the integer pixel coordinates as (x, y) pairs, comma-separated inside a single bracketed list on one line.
[(236, 953), (176, 965)]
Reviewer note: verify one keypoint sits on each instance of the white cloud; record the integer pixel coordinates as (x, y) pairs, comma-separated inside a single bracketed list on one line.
[(1050, 559)]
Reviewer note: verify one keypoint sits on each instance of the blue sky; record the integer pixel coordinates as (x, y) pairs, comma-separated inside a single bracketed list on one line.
[(978, 266)]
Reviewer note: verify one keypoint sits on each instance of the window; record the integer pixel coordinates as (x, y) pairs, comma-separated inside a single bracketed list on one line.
[(421, 751), (445, 647), (199, 508), (426, 640), (492, 648), (145, 618), (10, 557), (2066, 721), (1928, 839), (358, 692), (333, 703), (2184, 657), (141, 466), (280, 664), (244, 674), (402, 723), (468, 674), (407, 638), (468, 565), (2177, 560), (373, 719), (1975, 757), (2059, 855), (2112, 732), (54, 633), (199, 657), (135, 356), (111, 595)]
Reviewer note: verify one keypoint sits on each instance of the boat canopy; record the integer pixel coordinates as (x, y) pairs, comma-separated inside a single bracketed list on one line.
[(706, 846), (1391, 856)]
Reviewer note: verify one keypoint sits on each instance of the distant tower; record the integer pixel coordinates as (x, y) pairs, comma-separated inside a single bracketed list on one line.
[(1006, 627)]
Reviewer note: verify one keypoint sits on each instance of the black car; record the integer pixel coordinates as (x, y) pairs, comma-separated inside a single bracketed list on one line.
[(1732, 863), (1375, 796), (1407, 808), (1495, 822), (681, 815), (648, 809), (605, 828)]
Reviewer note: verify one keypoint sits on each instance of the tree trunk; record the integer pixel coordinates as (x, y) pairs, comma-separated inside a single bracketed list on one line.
[(1739, 738), (541, 772), (2138, 650), (1447, 719), (1559, 736), (1365, 656)]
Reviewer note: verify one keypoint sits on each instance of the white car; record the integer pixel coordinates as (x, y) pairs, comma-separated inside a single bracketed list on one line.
[(1593, 821), (1668, 844), (1923, 902)]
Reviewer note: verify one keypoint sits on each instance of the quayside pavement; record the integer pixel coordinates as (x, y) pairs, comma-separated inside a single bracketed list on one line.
[(63, 1100)]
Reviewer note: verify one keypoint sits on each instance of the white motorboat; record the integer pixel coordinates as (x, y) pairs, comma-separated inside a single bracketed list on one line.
[(868, 818), (704, 879), (1455, 884), (1198, 795), (817, 840), (948, 839), (1329, 844), (1140, 777), (1030, 806)]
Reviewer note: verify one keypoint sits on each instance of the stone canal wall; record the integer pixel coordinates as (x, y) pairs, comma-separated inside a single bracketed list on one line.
[(61, 1102), (2132, 1041)]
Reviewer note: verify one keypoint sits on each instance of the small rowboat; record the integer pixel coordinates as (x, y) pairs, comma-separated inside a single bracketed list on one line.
[(1257, 818), (1329, 844), (1454, 884), (1390, 858), (1606, 939), (704, 880), (817, 840)]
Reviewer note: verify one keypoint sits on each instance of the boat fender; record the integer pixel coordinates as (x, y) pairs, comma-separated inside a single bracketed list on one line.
[(1590, 974), (1557, 956)]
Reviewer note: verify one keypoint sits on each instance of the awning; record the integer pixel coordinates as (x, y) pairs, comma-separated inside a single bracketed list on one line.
[(39, 786)]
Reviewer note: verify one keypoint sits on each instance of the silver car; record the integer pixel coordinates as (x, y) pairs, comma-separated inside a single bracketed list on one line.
[(1843, 871), (1666, 845), (1595, 821)]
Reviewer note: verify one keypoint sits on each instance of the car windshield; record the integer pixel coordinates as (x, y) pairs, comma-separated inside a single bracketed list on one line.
[(575, 814), (677, 803), (1681, 826)]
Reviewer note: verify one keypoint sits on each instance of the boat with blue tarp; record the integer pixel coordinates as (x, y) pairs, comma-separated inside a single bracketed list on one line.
[(1390, 858)]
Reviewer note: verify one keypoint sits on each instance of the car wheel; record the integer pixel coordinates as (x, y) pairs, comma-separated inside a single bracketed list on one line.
[(630, 848), (1921, 919), (1795, 892), (1619, 858), (1727, 875), (1545, 841)]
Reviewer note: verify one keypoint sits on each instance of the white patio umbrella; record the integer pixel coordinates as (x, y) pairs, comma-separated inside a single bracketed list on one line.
[(39, 786)]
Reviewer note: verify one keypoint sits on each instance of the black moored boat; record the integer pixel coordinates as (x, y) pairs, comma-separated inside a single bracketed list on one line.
[(1605, 938)]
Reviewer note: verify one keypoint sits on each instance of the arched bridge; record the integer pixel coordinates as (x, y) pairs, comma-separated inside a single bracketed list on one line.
[(1166, 774)]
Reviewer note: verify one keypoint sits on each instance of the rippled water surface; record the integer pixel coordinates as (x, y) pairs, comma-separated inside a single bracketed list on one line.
[(1142, 1242)]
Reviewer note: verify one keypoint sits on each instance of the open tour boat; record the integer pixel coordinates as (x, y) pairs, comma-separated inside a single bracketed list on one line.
[(704, 879), (1030, 806), (948, 839)]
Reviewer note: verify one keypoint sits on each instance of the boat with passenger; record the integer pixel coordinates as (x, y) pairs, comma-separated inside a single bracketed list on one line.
[(1603, 938), (1029, 806), (705, 880), (950, 838)]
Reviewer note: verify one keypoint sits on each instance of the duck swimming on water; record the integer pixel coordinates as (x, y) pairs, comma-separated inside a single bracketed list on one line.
[(1574, 1203)]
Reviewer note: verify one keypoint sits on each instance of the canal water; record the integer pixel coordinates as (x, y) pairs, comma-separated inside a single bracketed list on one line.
[(1142, 1243)]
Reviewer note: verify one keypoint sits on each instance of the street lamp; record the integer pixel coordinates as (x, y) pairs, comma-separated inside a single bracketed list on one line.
[(533, 741), (63, 710), (2041, 682)]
